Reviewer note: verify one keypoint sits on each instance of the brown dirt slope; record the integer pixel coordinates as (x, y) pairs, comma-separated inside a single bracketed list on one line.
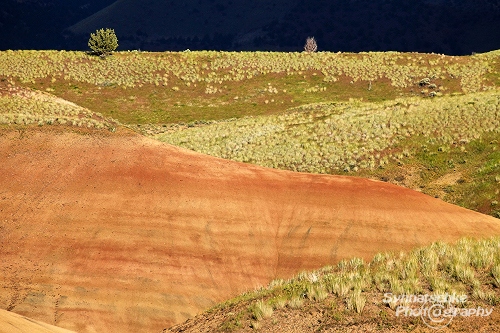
[(104, 232), (13, 323)]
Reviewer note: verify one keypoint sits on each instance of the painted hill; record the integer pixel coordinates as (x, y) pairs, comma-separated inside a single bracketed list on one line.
[(114, 232), (13, 323), (355, 295)]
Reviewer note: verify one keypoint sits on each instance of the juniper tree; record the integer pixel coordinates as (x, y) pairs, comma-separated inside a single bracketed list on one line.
[(103, 41)]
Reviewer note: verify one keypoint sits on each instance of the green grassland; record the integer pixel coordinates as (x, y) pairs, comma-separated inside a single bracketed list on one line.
[(161, 88), (23, 107), (425, 121), (333, 137)]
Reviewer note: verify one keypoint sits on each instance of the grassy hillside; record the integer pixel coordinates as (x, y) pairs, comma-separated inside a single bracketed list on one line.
[(333, 137), (424, 121), (162, 88), (358, 294), (21, 106)]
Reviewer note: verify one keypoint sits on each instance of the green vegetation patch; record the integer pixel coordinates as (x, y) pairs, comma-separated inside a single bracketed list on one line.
[(26, 107), (465, 173), (172, 87), (343, 137)]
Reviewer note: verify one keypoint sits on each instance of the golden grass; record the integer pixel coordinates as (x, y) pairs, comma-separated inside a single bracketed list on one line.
[(171, 87), (438, 269), (26, 107), (344, 137)]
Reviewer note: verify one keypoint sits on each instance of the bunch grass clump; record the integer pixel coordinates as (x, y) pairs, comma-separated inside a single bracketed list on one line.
[(356, 301), (261, 310), (438, 269)]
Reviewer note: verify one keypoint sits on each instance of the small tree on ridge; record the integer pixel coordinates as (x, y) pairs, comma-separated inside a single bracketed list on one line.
[(311, 45), (103, 41)]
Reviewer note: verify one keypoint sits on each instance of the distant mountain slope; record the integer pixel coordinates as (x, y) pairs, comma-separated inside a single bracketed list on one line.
[(448, 27), (38, 24), (114, 232), (156, 24), (470, 5), (443, 26), (153, 19)]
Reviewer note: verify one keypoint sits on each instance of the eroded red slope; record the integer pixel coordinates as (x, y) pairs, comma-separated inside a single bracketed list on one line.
[(120, 233), (13, 323)]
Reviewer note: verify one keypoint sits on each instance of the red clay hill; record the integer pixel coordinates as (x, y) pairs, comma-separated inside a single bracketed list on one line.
[(115, 232), (11, 322)]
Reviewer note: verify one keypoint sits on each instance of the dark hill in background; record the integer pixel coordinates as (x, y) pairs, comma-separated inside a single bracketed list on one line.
[(38, 24), (159, 24), (443, 26), (459, 27)]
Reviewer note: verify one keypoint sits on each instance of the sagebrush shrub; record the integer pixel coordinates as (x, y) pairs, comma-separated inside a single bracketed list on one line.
[(311, 45)]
